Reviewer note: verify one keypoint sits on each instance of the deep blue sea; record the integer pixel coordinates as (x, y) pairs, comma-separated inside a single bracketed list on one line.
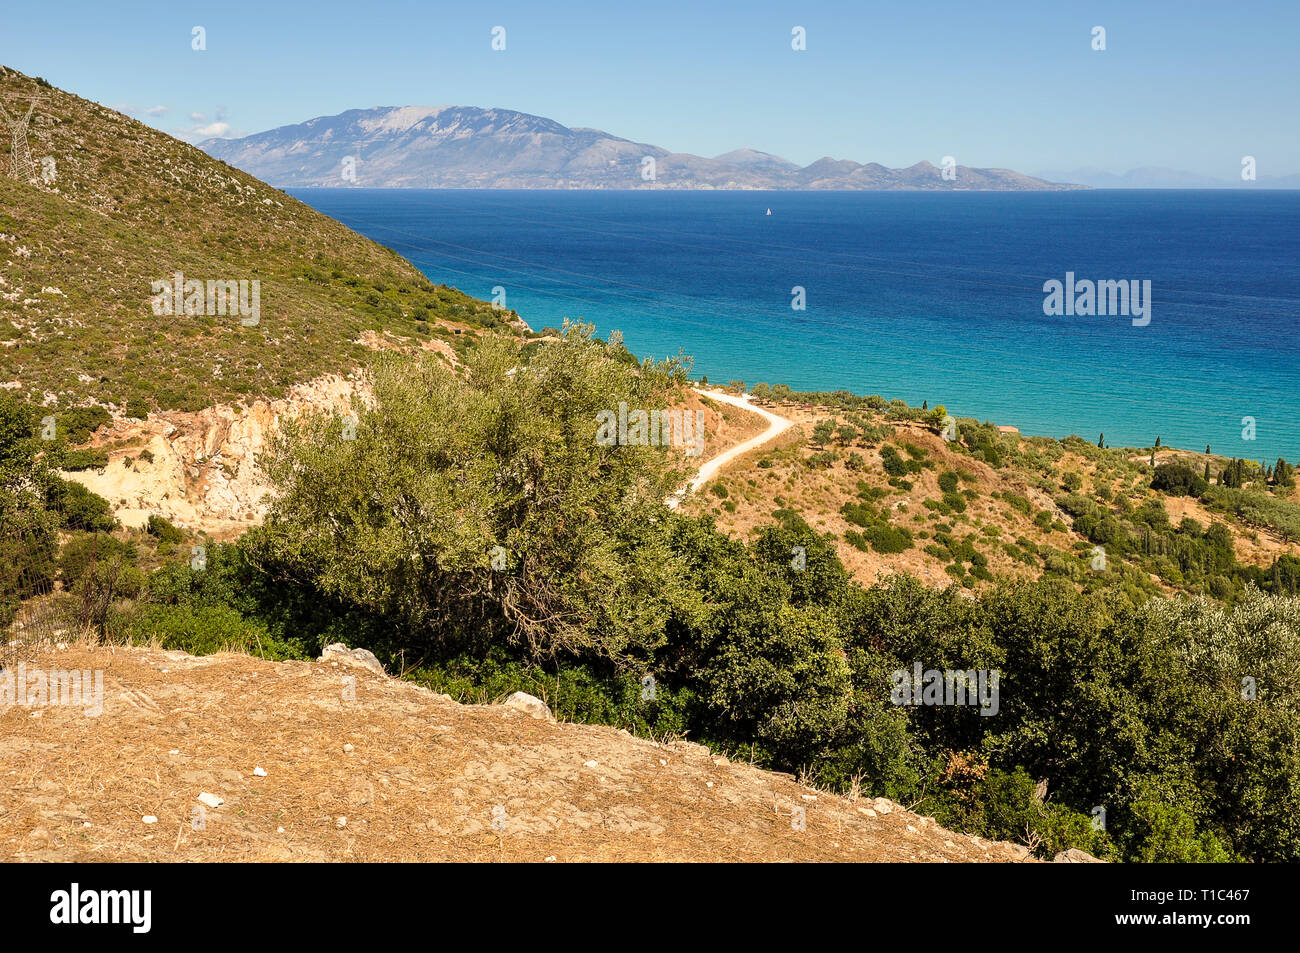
[(919, 296)]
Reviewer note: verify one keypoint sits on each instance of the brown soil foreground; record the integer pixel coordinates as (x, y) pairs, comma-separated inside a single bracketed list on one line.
[(398, 774)]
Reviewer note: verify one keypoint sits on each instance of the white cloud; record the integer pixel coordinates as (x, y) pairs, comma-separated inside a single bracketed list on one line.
[(196, 117), (215, 130), (157, 111)]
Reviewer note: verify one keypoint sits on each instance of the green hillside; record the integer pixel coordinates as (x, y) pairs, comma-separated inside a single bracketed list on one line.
[(128, 206)]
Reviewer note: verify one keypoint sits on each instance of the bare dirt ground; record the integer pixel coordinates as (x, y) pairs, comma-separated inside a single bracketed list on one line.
[(399, 773)]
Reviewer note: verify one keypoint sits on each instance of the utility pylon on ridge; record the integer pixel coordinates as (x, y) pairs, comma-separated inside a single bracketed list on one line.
[(21, 166)]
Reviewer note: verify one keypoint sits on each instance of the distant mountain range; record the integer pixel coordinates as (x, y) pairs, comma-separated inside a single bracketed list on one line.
[(469, 147), (1158, 177)]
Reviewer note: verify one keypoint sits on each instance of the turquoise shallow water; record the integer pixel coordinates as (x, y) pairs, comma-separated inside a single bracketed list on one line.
[(921, 296)]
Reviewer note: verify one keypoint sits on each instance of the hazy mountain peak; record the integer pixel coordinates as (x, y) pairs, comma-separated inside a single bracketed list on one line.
[(475, 147), (399, 118), (753, 157)]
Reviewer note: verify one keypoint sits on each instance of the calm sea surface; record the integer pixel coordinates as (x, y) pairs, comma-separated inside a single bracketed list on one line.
[(920, 296)]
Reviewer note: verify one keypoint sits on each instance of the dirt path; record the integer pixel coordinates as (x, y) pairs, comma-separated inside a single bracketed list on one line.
[(302, 764), (777, 425)]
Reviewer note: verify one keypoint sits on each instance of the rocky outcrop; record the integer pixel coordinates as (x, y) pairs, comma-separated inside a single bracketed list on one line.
[(529, 705), (339, 654), (200, 470), (1075, 856)]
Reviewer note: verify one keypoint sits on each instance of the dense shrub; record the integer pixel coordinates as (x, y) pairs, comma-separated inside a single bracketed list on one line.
[(28, 528), (82, 550), (1002, 804), (779, 677), (102, 583), (885, 538), (574, 693), (84, 460), (203, 630), (79, 508), (876, 529), (982, 441), (77, 424), (165, 532), (1178, 479), (1165, 833), (892, 462), (28, 548)]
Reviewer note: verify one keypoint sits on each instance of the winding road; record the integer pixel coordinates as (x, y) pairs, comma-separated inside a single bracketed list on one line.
[(777, 425)]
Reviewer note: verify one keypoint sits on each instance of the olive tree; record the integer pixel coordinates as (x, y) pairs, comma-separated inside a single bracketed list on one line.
[(475, 505)]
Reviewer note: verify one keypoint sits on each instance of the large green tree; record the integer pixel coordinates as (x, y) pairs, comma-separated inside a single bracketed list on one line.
[(476, 505)]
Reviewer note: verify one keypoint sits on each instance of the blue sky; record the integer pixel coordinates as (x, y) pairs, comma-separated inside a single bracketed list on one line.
[(1189, 85)]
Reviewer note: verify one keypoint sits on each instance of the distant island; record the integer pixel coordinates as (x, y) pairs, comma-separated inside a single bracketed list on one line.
[(1160, 177), (467, 147)]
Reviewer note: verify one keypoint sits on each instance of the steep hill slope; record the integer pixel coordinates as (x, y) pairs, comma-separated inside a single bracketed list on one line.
[(399, 773), (108, 206)]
